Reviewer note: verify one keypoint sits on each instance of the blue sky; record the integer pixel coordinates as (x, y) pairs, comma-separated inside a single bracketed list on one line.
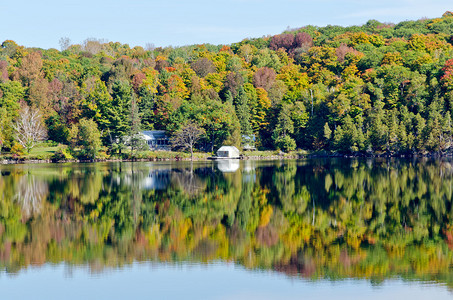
[(182, 22)]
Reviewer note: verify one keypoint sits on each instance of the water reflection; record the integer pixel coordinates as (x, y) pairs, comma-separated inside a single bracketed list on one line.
[(157, 179), (228, 165), (333, 219), (30, 193), (186, 280)]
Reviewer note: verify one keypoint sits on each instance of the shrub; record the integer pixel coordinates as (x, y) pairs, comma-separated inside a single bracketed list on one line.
[(62, 154), (102, 155), (17, 149), (285, 143)]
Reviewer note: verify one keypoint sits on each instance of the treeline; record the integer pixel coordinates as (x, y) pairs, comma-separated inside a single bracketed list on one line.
[(376, 88)]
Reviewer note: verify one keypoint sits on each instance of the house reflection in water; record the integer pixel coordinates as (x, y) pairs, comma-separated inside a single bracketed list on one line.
[(228, 165), (249, 166), (157, 179), (248, 171)]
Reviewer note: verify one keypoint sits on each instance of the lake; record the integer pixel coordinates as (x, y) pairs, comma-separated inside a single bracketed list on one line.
[(312, 229)]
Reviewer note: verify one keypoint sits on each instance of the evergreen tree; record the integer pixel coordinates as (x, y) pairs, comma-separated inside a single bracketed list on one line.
[(135, 139), (447, 132), (118, 112), (243, 112), (419, 132), (327, 133), (228, 97), (338, 138), (146, 109), (393, 143), (282, 132), (300, 117), (89, 138), (404, 143), (346, 136), (377, 128)]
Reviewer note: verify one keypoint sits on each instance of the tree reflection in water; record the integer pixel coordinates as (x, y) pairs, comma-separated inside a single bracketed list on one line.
[(316, 218), (30, 193)]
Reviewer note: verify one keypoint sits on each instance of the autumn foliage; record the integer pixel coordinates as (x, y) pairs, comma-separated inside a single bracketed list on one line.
[(380, 88)]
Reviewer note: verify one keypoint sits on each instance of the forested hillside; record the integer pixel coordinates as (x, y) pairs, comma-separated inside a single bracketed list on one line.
[(376, 88)]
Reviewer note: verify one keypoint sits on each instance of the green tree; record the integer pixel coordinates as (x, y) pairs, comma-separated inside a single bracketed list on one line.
[(218, 120), (327, 133), (89, 138), (97, 104), (135, 139), (3, 126), (283, 130), (11, 92), (118, 112), (243, 111), (346, 136), (377, 127), (57, 131)]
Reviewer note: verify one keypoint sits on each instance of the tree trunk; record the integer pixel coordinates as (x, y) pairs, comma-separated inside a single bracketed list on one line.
[(212, 145), (311, 93)]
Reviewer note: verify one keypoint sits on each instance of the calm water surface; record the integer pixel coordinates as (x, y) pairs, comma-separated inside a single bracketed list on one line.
[(312, 229)]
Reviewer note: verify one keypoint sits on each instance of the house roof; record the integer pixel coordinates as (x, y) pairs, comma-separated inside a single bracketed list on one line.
[(228, 148), (249, 137), (154, 134)]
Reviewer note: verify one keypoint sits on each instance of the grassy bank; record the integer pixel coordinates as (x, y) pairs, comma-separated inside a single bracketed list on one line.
[(275, 154), (41, 152), (52, 153), (46, 153), (165, 155)]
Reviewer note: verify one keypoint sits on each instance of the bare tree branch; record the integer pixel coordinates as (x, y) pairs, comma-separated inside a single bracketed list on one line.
[(29, 128), (187, 137), (65, 43)]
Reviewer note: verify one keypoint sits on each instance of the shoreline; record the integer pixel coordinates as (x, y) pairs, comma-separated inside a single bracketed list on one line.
[(281, 156), (49, 161)]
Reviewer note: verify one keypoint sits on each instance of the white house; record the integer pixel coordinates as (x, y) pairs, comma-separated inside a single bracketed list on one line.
[(228, 152), (156, 139), (248, 142)]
